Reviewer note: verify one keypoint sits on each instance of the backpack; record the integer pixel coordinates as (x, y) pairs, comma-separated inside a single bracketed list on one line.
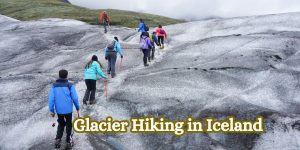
[(146, 27), (151, 37), (162, 31), (105, 17), (143, 44), (111, 46)]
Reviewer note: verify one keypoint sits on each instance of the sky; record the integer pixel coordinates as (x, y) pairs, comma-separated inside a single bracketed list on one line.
[(197, 9)]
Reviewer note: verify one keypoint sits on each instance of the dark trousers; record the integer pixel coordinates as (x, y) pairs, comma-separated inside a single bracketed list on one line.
[(90, 91), (105, 23), (146, 55), (64, 120), (161, 40), (152, 51), (112, 58)]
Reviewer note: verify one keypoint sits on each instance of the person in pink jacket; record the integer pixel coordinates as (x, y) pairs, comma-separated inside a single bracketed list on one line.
[(161, 34)]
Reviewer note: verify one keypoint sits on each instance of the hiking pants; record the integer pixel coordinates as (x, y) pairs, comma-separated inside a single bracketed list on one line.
[(64, 120), (161, 40), (146, 55), (90, 91), (105, 24), (152, 52), (112, 58)]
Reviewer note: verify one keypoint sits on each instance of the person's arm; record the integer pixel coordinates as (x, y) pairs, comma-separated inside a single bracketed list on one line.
[(51, 100), (99, 71), (75, 98), (149, 43), (119, 49)]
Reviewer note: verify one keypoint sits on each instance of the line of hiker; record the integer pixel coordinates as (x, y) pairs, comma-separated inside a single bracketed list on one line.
[(148, 41), (62, 95)]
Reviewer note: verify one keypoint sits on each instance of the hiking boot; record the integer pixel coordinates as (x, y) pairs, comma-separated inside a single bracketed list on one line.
[(146, 65), (69, 145), (57, 143), (92, 102)]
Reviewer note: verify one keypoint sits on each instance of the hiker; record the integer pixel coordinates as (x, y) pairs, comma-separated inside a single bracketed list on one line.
[(105, 20), (111, 52), (161, 34), (145, 46), (61, 98), (92, 69), (143, 27), (153, 39)]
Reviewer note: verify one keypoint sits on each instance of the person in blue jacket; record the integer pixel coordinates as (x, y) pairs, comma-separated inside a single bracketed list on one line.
[(92, 69), (142, 26), (61, 98), (111, 52)]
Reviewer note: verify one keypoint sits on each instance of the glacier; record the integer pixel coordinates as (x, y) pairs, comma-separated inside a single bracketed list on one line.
[(242, 67)]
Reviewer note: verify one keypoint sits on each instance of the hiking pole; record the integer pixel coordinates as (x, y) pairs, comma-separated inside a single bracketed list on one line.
[(105, 88), (71, 136), (120, 65), (167, 41)]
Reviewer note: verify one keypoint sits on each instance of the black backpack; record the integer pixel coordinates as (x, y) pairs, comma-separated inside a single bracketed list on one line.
[(146, 27)]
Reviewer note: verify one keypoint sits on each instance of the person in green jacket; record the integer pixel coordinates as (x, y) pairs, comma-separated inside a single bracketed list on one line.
[(92, 69)]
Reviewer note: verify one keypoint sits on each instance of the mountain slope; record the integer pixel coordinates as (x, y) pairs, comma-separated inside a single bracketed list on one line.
[(36, 9)]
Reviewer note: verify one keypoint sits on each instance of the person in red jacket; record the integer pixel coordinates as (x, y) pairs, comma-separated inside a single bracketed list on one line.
[(161, 35), (104, 19)]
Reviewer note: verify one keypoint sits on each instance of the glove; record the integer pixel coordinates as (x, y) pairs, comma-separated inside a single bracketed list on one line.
[(121, 56), (52, 114)]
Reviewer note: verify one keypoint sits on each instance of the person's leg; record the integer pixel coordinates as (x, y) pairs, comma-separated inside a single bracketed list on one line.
[(149, 57), (113, 64), (104, 25), (68, 118), (93, 91), (145, 57), (153, 51), (109, 63), (162, 41), (87, 92), (148, 52), (159, 40), (60, 127)]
